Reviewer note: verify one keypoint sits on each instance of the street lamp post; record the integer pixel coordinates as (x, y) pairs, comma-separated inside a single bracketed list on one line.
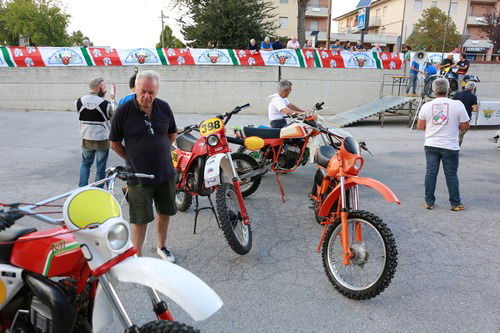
[(163, 29), (446, 30)]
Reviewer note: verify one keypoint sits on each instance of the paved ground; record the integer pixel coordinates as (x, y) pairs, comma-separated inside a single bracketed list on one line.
[(449, 263)]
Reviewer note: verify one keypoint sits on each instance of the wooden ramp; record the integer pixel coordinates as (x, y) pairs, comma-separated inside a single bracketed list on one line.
[(370, 109)]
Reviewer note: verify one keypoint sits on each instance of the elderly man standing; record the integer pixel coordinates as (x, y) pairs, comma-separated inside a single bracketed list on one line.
[(147, 126), (279, 106), (442, 119), (469, 100), (94, 114)]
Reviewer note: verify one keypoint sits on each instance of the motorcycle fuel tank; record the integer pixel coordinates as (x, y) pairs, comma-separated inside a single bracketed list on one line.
[(53, 252)]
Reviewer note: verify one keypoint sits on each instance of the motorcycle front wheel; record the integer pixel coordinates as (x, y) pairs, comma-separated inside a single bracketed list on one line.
[(183, 200), (374, 260), (244, 163), (237, 234), (161, 326)]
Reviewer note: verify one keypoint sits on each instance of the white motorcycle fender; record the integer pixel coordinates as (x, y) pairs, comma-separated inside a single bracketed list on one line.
[(212, 169), (181, 286)]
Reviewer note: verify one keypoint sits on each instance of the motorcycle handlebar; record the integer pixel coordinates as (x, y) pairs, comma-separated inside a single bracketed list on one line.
[(7, 219), (237, 141)]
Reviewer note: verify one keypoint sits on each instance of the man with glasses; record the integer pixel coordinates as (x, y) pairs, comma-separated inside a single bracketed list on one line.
[(94, 114), (147, 126)]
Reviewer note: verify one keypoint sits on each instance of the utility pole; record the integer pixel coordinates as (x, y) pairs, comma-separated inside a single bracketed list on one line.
[(446, 31), (329, 24), (163, 29)]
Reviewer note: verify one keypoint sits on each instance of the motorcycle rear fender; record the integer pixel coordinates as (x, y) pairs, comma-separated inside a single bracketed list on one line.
[(353, 181), (181, 286), (212, 170)]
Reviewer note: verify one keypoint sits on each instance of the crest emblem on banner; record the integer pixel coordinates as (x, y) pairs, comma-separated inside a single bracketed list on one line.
[(360, 60), (29, 62), (333, 63), (181, 60), (107, 61), (488, 113), (392, 65), (97, 53), (213, 57), (18, 53), (65, 56), (282, 57), (435, 59), (384, 56), (141, 56)]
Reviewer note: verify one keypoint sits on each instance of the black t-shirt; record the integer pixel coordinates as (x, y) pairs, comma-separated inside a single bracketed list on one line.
[(468, 99), (447, 62), (277, 45), (463, 63), (253, 47), (146, 153)]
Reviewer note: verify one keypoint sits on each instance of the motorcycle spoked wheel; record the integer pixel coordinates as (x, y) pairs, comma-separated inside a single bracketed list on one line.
[(183, 200), (237, 234), (166, 326), (244, 163), (375, 256)]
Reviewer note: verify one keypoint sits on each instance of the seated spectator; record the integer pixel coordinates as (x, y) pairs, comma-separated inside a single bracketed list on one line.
[(253, 45), (336, 45), (277, 44), (377, 48), (293, 44), (266, 45), (308, 45), (359, 47), (347, 46)]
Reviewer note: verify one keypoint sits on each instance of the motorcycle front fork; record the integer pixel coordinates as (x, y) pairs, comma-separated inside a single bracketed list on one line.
[(159, 306), (236, 184), (344, 214)]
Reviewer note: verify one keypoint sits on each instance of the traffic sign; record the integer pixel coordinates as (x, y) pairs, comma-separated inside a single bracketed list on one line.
[(361, 18)]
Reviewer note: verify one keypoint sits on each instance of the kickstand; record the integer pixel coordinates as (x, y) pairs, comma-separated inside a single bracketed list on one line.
[(281, 187), (197, 210)]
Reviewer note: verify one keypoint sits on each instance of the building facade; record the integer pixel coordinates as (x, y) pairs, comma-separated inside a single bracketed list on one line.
[(478, 43), (317, 16)]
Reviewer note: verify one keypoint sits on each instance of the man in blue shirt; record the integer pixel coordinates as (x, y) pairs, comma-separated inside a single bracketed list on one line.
[(266, 45), (430, 70), (412, 82), (130, 96)]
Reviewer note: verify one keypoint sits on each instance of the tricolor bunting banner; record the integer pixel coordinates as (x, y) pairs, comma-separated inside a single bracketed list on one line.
[(178, 57), (103, 56), (328, 59)]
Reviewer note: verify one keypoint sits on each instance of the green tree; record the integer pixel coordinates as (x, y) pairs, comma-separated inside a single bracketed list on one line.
[(428, 33), (76, 39), (169, 39), (491, 26), (227, 23), (42, 20), (301, 21)]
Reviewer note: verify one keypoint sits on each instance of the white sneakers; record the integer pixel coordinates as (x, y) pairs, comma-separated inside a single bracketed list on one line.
[(165, 254)]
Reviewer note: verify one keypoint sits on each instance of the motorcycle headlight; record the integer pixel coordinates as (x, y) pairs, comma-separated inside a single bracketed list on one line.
[(117, 236), (212, 140), (358, 163)]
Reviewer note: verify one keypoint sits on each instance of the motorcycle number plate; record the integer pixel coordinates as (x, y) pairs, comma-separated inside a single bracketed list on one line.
[(175, 158), (211, 126)]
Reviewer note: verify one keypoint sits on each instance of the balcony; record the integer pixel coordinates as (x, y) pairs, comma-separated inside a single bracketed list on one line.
[(384, 38), (475, 20), (321, 36), (317, 12), (485, 1), (374, 22)]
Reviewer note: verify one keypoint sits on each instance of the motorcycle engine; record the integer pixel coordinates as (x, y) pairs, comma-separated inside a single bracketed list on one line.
[(289, 156), (40, 316)]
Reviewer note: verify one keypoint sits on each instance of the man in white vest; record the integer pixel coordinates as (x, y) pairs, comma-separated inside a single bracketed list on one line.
[(94, 114)]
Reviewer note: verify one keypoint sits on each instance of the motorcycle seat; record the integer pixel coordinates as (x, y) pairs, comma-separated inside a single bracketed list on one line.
[(10, 235), (186, 142), (264, 133), (324, 154)]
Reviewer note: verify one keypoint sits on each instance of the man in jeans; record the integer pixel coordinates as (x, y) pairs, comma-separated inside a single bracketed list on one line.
[(147, 126), (441, 119), (412, 83), (94, 114)]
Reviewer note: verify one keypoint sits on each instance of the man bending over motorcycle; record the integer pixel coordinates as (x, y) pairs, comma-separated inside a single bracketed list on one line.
[(279, 106)]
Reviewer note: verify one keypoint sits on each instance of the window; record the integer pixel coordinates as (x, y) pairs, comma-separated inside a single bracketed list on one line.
[(378, 12), (283, 22), (284, 1), (314, 25), (453, 8), (470, 11), (314, 3), (434, 4), (384, 12), (417, 6)]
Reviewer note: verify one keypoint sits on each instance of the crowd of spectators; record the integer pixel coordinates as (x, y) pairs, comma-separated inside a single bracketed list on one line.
[(293, 43)]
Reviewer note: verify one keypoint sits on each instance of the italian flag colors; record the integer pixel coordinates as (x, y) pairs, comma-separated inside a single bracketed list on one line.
[(13, 56)]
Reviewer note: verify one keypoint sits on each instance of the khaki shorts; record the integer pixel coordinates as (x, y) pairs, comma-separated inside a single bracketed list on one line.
[(141, 198)]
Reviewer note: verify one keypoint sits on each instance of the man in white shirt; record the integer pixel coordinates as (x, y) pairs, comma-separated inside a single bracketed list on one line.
[(280, 106), (293, 44), (441, 119)]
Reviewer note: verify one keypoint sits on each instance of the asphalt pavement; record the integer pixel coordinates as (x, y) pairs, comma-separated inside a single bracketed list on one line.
[(448, 275)]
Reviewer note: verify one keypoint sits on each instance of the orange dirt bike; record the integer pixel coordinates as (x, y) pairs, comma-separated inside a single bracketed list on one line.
[(358, 249), (284, 149)]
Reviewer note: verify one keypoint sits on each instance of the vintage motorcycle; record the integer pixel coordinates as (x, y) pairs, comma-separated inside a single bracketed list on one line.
[(284, 149), (451, 75), (63, 279), (358, 249), (204, 165)]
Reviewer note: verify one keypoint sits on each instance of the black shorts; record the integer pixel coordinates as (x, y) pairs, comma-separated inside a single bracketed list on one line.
[(141, 198), (279, 123)]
